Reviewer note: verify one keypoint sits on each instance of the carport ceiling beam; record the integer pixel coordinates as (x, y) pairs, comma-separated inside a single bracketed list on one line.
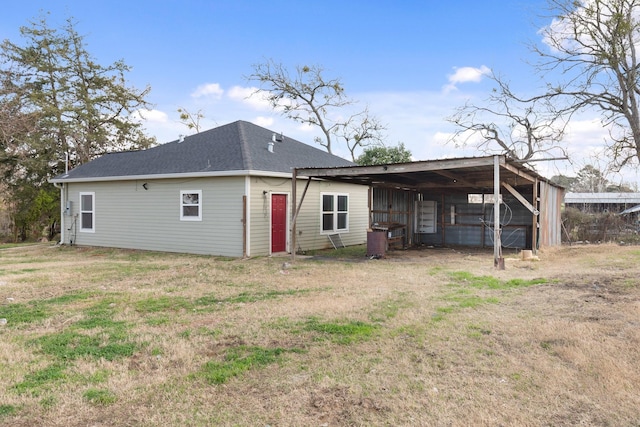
[(518, 172), (435, 185), (455, 178), (374, 182)]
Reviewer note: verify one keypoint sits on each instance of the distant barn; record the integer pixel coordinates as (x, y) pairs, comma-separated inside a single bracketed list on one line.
[(602, 202)]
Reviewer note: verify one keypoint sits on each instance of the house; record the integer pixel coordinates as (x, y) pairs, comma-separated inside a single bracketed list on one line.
[(225, 191)]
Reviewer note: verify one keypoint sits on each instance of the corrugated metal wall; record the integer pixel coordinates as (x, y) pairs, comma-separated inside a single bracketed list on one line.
[(471, 224), (460, 223), (551, 199), (394, 207), (391, 205)]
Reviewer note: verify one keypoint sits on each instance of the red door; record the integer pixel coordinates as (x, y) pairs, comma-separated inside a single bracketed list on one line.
[(278, 223)]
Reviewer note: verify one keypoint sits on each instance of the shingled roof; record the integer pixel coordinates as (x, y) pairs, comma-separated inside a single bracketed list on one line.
[(239, 146)]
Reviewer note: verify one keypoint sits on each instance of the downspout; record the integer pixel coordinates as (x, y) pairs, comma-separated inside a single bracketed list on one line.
[(292, 240), (244, 226), (63, 204), (63, 199), (246, 218)]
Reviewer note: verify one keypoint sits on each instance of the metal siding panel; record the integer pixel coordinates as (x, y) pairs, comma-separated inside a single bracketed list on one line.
[(463, 236), (551, 199), (394, 206), (468, 230), (514, 237)]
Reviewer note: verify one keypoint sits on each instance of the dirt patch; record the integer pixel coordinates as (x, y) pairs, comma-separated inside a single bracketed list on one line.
[(333, 405)]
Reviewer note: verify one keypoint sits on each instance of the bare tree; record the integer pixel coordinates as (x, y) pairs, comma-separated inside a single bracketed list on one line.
[(307, 97), (191, 120), (507, 124), (361, 131), (592, 45)]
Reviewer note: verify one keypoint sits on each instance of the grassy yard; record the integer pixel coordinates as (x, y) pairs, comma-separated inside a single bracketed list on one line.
[(435, 337)]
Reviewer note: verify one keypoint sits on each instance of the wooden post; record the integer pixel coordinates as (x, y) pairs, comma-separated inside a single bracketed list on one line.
[(294, 214), (444, 237), (370, 205), (536, 216), (498, 260), (296, 211)]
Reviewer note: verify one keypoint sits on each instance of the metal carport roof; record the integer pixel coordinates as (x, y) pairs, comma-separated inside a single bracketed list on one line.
[(461, 173)]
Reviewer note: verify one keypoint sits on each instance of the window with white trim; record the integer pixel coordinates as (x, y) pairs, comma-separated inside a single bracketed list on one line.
[(191, 205), (334, 212), (87, 212)]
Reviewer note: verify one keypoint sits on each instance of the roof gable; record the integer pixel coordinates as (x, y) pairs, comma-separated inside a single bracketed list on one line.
[(237, 146)]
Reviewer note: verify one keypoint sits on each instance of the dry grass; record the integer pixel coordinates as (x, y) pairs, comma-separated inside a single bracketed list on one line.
[(434, 337)]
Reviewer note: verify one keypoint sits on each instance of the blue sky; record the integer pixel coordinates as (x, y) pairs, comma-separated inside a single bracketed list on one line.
[(412, 62)]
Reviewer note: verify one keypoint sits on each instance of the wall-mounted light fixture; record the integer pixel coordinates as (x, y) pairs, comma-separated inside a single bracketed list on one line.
[(145, 186), (264, 193)]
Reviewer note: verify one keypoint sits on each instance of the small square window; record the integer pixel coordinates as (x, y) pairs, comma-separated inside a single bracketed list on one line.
[(190, 205)]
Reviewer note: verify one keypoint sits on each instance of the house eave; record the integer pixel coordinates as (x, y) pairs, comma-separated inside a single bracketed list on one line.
[(173, 176)]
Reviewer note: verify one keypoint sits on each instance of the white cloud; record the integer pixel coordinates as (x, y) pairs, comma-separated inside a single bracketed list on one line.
[(208, 89), (586, 133), (239, 93), (466, 75), (587, 139), (442, 138), (263, 121), (155, 116), (249, 96), (306, 128), (469, 74)]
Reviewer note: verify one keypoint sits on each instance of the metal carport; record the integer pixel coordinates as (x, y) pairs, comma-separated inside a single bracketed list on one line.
[(473, 174)]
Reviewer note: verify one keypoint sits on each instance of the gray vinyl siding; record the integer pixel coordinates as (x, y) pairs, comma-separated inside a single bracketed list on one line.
[(308, 223), (128, 216)]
